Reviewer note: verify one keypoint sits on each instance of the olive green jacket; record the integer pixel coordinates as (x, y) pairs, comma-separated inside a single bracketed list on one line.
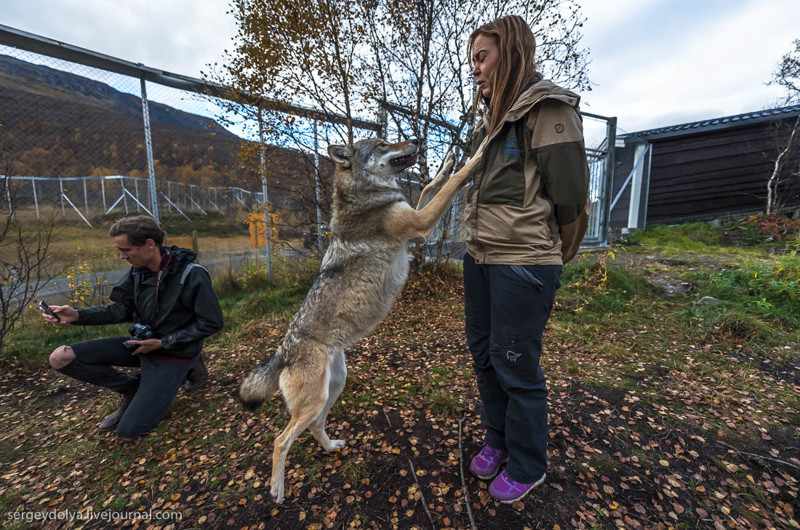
[(528, 202)]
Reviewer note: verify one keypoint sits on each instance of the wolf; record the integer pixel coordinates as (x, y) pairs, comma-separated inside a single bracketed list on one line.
[(361, 274)]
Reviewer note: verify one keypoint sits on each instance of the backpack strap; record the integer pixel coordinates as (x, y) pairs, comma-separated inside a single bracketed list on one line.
[(188, 268)]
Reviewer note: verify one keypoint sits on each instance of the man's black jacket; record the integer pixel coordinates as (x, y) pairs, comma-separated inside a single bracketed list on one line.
[(185, 311)]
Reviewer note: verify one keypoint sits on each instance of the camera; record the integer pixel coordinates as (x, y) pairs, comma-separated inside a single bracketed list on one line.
[(139, 332)]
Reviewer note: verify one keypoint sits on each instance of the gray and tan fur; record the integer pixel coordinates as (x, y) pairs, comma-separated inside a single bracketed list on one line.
[(361, 274)]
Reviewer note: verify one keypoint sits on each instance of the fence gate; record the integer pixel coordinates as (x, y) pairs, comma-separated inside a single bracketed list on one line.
[(600, 133)]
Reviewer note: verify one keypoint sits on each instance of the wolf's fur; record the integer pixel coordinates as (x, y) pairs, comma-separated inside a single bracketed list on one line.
[(361, 273)]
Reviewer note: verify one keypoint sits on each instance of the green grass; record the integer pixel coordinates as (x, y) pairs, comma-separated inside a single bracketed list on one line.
[(620, 314), (692, 237), (614, 285), (444, 404), (755, 298), (766, 292), (354, 470)]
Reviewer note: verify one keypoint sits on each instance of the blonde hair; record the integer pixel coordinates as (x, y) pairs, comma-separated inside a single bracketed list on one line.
[(515, 69)]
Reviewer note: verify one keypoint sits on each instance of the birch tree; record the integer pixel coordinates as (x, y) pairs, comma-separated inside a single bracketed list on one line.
[(784, 182), (399, 62)]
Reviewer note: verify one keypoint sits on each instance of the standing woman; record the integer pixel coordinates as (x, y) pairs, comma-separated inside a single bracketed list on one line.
[(525, 218)]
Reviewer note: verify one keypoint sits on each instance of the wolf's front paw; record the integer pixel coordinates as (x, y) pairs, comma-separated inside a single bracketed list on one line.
[(449, 162), (447, 167), (276, 490), (335, 445)]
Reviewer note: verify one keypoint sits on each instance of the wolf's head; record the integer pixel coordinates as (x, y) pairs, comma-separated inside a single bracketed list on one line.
[(375, 158)]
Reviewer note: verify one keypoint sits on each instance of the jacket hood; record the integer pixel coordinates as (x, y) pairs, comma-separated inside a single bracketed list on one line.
[(534, 94), (180, 258), (541, 90)]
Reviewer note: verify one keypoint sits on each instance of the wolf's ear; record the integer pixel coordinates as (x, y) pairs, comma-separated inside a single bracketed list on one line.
[(341, 154)]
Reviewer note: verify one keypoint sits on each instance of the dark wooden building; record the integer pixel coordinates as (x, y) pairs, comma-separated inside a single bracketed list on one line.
[(702, 170)]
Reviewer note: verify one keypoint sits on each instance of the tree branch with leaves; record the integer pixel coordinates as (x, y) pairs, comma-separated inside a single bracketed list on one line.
[(402, 60)]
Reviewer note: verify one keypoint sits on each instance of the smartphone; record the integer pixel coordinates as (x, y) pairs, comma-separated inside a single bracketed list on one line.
[(46, 309)]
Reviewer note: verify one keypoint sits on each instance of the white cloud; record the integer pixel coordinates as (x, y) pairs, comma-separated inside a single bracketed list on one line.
[(688, 61), (180, 36), (654, 62)]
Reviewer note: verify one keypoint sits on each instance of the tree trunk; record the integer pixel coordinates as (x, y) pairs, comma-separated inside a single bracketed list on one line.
[(772, 183)]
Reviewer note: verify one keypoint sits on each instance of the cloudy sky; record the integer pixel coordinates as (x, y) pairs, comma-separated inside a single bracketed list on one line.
[(654, 62)]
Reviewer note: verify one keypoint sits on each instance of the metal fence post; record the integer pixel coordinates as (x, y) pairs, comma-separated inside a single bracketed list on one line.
[(8, 196), (124, 195), (85, 198), (612, 141), (646, 189), (35, 198), (316, 187), (61, 194), (136, 192), (263, 163), (149, 142)]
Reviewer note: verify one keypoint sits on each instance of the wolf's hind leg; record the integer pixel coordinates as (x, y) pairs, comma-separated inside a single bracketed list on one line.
[(305, 396), (337, 375)]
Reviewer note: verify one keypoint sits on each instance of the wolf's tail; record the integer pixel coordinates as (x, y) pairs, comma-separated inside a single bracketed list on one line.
[(260, 384)]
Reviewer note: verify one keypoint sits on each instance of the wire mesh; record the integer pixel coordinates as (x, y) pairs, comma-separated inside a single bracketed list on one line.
[(78, 148)]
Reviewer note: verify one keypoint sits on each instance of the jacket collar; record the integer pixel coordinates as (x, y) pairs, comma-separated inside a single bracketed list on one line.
[(534, 94)]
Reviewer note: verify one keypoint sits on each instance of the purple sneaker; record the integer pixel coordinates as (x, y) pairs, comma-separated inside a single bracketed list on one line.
[(506, 489), (487, 463)]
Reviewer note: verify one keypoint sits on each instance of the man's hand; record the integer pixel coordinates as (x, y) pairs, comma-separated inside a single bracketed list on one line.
[(66, 313), (145, 346)]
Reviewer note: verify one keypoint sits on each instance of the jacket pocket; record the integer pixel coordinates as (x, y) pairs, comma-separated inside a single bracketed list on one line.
[(504, 177), (507, 228), (516, 359)]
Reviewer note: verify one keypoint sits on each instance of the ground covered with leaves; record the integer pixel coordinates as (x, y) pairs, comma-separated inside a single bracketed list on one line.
[(673, 376)]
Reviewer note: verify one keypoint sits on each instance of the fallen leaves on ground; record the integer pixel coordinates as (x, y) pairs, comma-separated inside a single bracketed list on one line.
[(673, 449)]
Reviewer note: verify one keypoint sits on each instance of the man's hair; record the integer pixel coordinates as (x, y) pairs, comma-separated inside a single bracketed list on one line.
[(138, 229), (515, 70)]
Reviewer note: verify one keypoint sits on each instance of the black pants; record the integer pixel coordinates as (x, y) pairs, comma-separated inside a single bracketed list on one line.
[(154, 388), (507, 308)]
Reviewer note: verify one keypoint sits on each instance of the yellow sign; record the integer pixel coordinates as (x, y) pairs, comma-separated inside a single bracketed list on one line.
[(258, 237)]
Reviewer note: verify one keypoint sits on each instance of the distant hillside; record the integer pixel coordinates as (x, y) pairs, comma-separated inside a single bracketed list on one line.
[(97, 94), (59, 124)]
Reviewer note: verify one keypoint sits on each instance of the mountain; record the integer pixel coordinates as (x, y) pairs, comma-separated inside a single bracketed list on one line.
[(59, 124)]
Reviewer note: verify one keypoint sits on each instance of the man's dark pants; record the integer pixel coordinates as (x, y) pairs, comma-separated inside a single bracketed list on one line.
[(507, 308), (155, 387)]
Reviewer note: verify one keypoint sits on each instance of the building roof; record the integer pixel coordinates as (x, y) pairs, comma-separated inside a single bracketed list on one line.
[(714, 124)]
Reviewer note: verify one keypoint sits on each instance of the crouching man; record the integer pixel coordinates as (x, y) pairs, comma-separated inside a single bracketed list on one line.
[(169, 299)]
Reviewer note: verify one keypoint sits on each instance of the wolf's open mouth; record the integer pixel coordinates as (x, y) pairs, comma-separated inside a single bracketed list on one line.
[(406, 160)]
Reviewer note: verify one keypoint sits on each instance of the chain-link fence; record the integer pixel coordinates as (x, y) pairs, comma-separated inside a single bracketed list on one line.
[(83, 146), (86, 139), (92, 198)]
